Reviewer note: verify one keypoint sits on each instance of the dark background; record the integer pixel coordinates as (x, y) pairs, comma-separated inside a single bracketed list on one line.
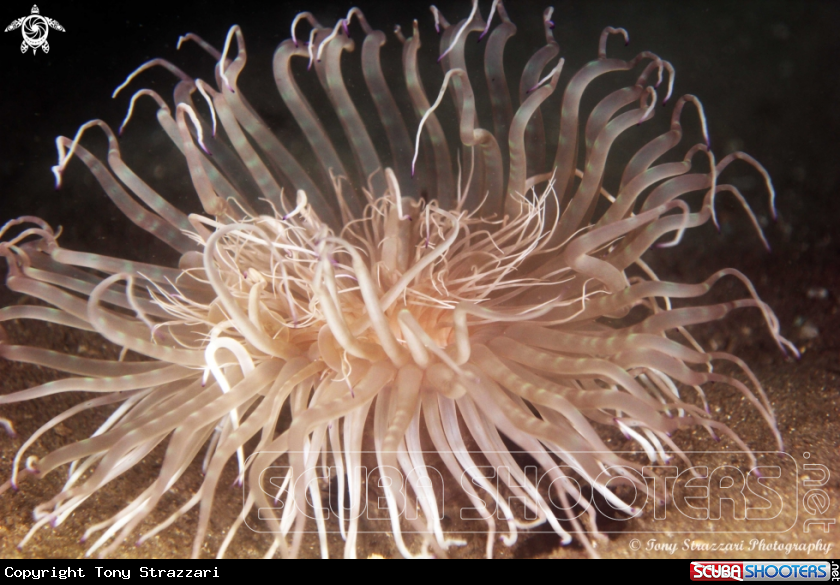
[(766, 71)]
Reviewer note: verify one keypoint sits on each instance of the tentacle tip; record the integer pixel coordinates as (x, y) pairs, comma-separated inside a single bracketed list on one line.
[(19, 547), (551, 24), (14, 486)]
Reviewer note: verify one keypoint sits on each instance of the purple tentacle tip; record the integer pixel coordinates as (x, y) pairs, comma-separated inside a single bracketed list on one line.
[(551, 24)]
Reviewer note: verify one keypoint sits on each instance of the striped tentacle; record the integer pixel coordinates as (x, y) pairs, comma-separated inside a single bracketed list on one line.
[(438, 162)]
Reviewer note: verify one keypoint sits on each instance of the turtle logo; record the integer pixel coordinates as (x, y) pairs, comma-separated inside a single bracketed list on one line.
[(35, 29)]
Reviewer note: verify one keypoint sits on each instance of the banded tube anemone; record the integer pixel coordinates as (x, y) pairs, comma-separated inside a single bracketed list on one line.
[(451, 296)]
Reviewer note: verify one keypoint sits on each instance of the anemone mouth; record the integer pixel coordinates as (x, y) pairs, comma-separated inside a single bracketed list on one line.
[(446, 304)]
